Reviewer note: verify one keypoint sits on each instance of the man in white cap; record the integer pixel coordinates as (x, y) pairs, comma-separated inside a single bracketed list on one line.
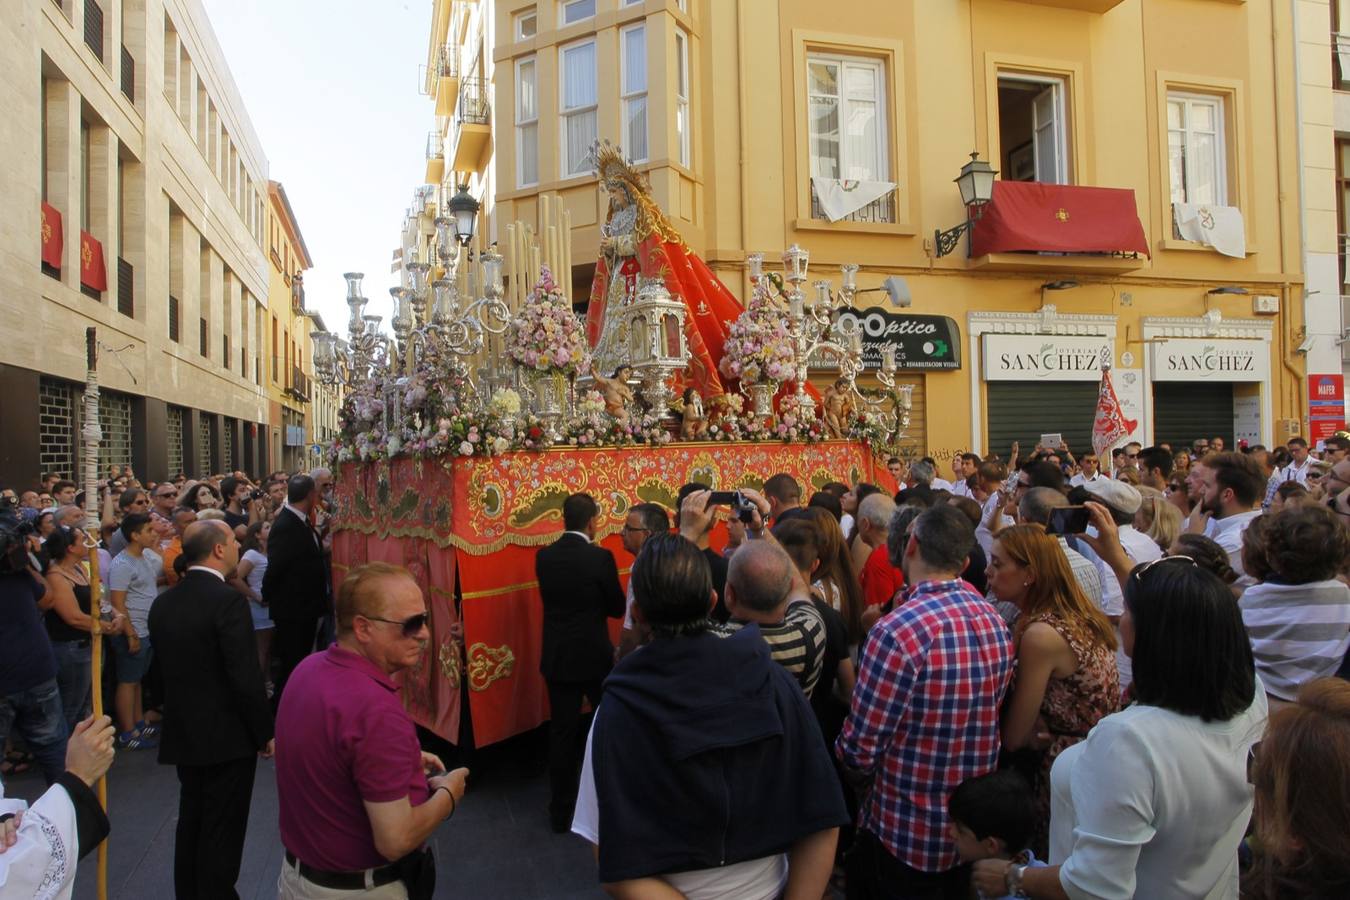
[(1122, 501)]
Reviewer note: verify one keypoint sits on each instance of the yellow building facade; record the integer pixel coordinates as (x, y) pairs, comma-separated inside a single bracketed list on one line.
[(289, 377), (756, 121)]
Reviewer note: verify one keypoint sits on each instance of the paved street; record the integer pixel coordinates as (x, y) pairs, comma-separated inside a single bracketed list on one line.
[(497, 845)]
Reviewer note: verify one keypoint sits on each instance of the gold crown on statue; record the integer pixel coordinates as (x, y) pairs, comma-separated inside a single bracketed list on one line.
[(611, 167)]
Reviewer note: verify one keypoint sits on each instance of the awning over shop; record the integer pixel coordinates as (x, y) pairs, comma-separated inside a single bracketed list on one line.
[(1027, 216)]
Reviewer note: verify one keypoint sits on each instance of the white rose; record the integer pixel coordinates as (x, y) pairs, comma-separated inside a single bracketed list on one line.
[(465, 448), (501, 445)]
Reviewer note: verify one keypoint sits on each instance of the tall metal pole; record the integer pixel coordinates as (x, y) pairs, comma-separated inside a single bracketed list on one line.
[(93, 434)]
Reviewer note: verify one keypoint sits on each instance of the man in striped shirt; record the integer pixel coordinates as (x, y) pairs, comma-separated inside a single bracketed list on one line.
[(925, 716), (760, 590)]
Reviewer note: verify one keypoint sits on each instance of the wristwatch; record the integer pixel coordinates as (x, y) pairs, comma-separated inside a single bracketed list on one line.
[(1012, 880)]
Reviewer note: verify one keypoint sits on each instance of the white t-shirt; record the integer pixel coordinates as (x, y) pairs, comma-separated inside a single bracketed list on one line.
[(1154, 804), (755, 879), (255, 574)]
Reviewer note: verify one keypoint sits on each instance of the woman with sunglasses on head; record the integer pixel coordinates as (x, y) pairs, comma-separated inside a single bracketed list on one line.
[(1154, 803), (1301, 773), (1298, 617), (67, 621), (1066, 677)]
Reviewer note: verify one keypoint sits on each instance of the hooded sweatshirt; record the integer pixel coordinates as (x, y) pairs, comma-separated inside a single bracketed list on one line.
[(706, 753)]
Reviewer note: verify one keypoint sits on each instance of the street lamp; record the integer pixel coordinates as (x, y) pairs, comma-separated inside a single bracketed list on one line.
[(976, 183), (464, 210)]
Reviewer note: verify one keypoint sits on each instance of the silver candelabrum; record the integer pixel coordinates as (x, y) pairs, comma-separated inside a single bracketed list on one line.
[(657, 348), (816, 334), (351, 361)]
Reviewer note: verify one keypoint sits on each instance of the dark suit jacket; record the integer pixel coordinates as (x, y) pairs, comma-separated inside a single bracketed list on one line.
[(295, 585), (579, 584), (215, 705)]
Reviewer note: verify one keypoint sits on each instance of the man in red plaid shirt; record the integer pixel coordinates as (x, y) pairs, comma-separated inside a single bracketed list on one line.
[(925, 717)]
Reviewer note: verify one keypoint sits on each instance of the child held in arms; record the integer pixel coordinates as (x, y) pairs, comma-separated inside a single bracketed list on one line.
[(993, 817)]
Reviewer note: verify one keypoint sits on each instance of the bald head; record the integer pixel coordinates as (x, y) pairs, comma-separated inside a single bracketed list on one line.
[(200, 539), (759, 577)]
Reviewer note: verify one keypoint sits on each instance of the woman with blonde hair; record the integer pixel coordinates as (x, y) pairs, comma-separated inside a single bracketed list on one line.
[(837, 579), (1066, 677), (1301, 773), (1160, 520)]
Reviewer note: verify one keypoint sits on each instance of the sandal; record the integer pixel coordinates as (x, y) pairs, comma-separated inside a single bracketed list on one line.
[(16, 762)]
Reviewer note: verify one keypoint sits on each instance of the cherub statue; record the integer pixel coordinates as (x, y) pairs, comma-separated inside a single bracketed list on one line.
[(618, 396), (693, 423), (837, 408)]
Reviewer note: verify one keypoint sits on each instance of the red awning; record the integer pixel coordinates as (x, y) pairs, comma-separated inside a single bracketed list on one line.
[(52, 243), (93, 273), (1059, 218)]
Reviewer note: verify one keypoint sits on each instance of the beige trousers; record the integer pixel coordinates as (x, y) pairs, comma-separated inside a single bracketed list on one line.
[(291, 886)]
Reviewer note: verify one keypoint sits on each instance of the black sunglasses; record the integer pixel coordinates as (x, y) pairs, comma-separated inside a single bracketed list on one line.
[(411, 626)]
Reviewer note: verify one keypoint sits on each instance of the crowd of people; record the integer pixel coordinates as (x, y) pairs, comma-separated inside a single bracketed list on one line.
[(1033, 679)]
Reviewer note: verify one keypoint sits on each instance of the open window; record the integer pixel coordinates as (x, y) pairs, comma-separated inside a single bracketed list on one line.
[(1033, 129)]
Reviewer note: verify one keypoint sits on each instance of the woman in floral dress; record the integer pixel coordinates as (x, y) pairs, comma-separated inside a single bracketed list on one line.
[(1066, 676)]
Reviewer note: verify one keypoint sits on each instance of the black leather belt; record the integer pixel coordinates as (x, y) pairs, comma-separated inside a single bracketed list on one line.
[(344, 881)]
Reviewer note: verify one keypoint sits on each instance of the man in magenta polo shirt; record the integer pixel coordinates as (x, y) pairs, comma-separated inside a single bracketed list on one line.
[(358, 796)]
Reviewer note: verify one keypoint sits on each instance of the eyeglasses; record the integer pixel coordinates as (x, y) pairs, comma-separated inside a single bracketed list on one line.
[(411, 626), (1316, 474), (628, 529), (162, 494), (1139, 572)]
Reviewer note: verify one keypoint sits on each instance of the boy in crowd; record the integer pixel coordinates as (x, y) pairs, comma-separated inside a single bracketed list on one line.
[(993, 817)]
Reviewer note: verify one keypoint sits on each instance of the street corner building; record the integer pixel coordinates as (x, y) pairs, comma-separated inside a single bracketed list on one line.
[(138, 202), (1159, 183)]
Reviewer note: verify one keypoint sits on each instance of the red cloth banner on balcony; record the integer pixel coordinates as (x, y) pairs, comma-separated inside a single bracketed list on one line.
[(53, 241), (93, 273), (1059, 218)]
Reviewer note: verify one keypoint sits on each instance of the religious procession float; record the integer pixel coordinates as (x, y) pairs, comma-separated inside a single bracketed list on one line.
[(463, 434)]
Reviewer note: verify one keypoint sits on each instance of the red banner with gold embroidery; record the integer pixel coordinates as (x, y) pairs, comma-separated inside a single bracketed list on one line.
[(482, 519), (53, 239), (93, 274)]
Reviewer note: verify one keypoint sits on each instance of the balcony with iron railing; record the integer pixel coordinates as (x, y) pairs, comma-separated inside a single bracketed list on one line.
[(1340, 61), (435, 157), (879, 211), (299, 384), (472, 126), (445, 79)]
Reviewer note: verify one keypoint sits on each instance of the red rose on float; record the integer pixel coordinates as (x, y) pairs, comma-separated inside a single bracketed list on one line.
[(535, 432)]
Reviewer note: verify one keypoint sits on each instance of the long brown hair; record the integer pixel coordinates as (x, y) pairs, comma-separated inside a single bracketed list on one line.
[(1054, 590), (1302, 780), (836, 567)]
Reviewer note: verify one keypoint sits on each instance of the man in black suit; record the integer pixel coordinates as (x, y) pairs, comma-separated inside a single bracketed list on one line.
[(295, 586), (579, 584), (216, 718)]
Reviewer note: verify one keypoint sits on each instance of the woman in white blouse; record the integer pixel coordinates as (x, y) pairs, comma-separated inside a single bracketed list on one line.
[(1154, 802)]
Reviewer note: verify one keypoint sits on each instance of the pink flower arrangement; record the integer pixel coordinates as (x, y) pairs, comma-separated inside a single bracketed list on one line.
[(758, 347), (547, 336)]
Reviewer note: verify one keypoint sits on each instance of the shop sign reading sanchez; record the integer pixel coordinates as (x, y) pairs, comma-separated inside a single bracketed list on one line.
[(1201, 360), (1044, 357), (921, 342)]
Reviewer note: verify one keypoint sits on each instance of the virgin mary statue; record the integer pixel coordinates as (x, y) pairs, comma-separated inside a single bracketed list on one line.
[(638, 241)]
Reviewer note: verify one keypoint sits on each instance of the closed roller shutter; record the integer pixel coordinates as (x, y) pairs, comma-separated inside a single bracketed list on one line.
[(1022, 411), (915, 441), (1184, 411)]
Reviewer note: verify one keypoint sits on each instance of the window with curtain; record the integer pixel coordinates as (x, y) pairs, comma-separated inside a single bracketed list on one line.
[(1195, 149), (527, 122), (846, 101), (527, 24), (575, 10), (578, 106), (633, 43), (682, 95)]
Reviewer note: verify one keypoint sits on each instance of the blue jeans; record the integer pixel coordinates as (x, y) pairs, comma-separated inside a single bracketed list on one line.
[(73, 676), (35, 715)]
